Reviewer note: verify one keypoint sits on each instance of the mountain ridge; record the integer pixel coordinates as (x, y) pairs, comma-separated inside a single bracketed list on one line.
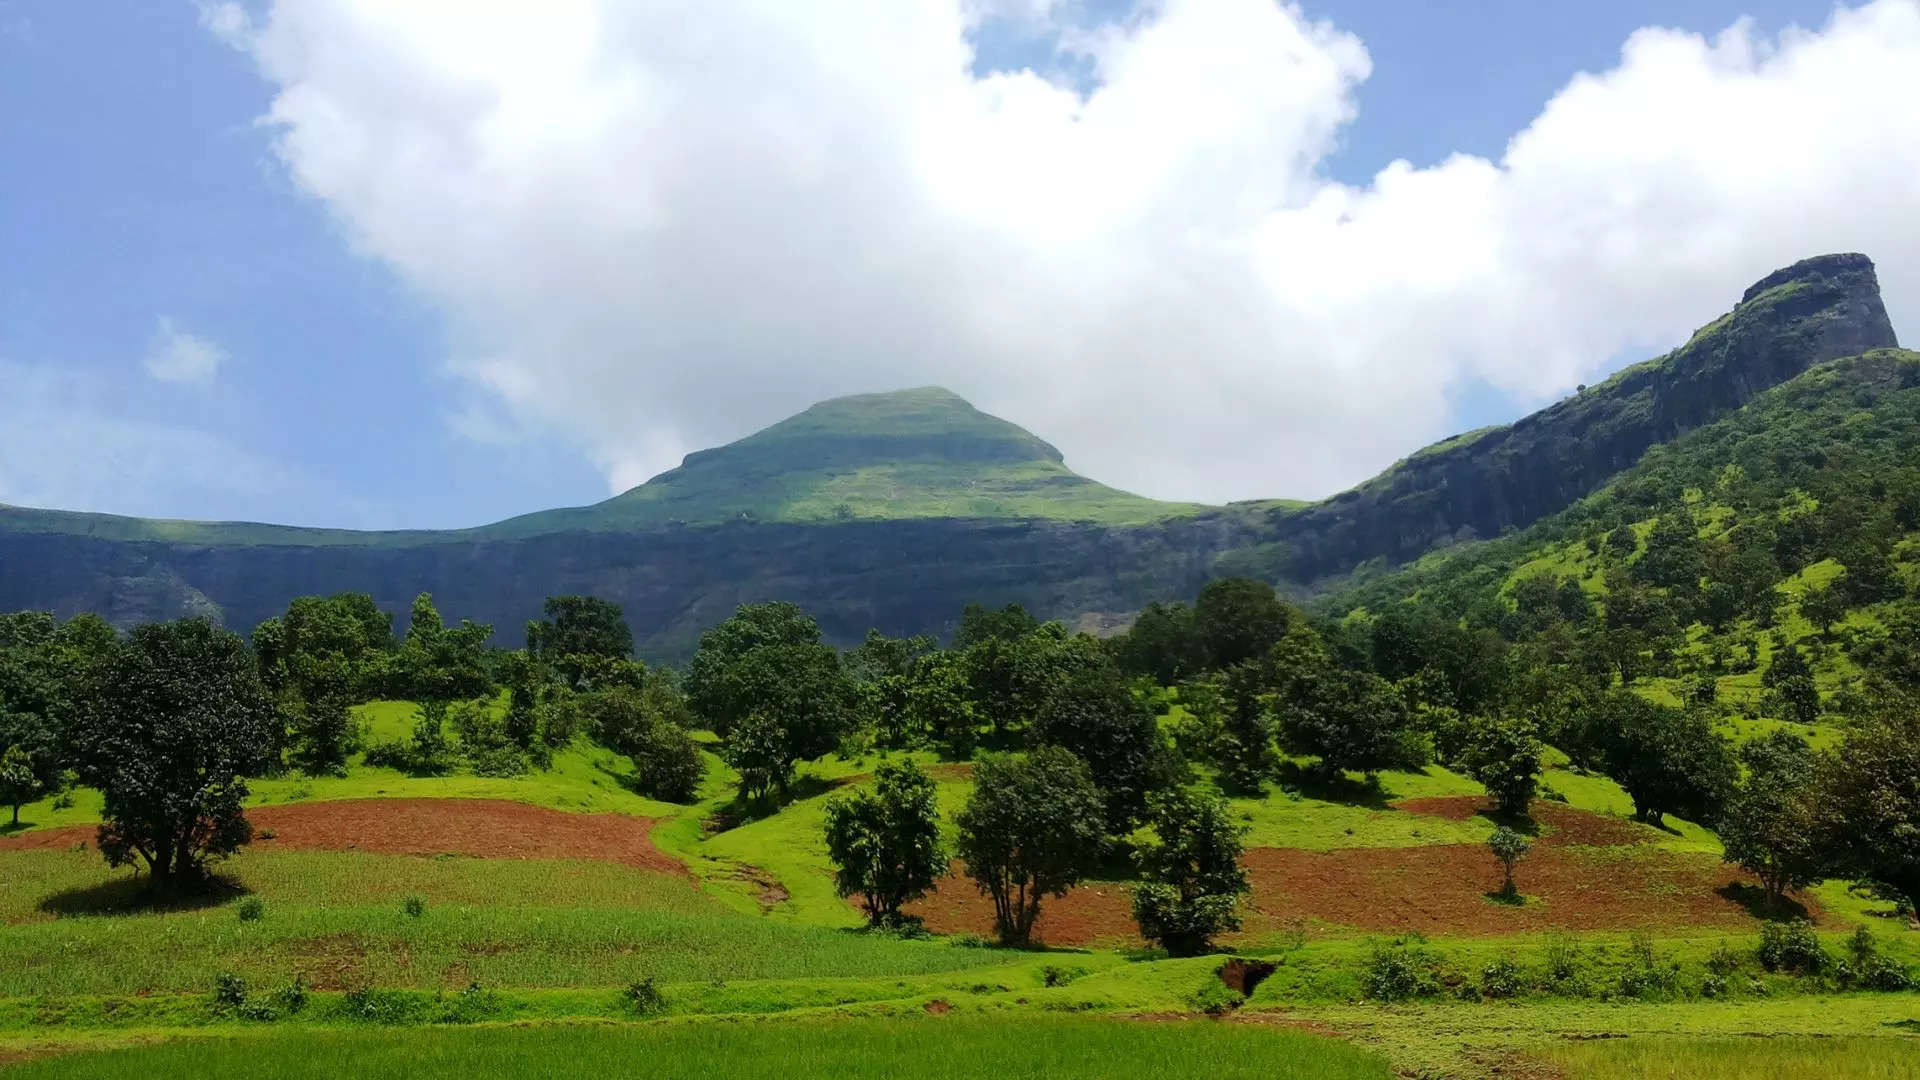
[(894, 510)]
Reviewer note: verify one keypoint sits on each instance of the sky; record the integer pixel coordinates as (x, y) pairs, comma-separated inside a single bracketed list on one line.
[(378, 265)]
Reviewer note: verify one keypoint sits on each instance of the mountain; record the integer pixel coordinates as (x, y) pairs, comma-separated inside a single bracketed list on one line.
[(895, 510)]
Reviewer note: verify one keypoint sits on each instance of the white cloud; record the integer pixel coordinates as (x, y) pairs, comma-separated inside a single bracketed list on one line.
[(178, 356), (656, 227), (68, 441)]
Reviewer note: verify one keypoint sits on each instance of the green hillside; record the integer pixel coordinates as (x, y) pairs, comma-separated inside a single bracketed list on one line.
[(1794, 520), (922, 453)]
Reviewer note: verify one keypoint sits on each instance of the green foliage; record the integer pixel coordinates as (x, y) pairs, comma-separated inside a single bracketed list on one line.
[(1504, 754), (1670, 761), (1398, 971), (1793, 947), (1350, 720), (442, 663), (885, 844), (414, 906), (1032, 828), (646, 725), (1094, 713), (1509, 846), (323, 736), (182, 718), (576, 630), (765, 682), (643, 998), (1190, 873), (1871, 789), (1772, 826), (1236, 620)]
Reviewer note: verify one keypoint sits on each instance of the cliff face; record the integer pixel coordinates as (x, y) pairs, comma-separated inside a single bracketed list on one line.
[(1055, 542), (1479, 485)]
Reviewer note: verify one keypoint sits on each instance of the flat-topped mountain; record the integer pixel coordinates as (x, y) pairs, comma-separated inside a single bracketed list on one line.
[(894, 510)]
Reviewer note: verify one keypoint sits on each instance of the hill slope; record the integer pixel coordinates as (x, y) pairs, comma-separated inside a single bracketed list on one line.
[(895, 510)]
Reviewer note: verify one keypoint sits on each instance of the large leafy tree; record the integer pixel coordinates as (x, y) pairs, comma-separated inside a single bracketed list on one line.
[(183, 718), (1670, 761), (575, 629), (1504, 753), (885, 844), (766, 683), (1032, 828), (1243, 744), (1191, 879), (1094, 714), (1771, 823), (1871, 789), (444, 663), (338, 645), (1238, 619), (1161, 644), (1350, 720)]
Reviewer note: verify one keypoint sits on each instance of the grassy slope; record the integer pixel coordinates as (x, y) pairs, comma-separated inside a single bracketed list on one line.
[(922, 453)]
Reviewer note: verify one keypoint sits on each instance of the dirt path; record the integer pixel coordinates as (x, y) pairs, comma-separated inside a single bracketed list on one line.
[(486, 828)]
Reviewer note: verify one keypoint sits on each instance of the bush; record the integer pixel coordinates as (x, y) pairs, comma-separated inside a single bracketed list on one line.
[(1216, 998), (1396, 972), (1869, 970), (251, 909), (643, 998), (390, 755), (414, 906), (229, 991), (1724, 960), (1566, 966), (667, 763), (1501, 979), (1646, 974), (293, 997), (1794, 948), (969, 941)]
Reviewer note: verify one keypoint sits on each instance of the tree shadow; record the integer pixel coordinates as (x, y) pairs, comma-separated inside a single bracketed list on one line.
[(1507, 897), (1315, 783), (134, 894), (1523, 824), (8, 828), (1754, 899)]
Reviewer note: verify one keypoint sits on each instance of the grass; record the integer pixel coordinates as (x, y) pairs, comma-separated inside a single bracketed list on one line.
[(950, 1048), (1881, 1058)]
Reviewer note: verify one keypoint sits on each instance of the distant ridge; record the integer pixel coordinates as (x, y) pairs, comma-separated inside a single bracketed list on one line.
[(894, 510)]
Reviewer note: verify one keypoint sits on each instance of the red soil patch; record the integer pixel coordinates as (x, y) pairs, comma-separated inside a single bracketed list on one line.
[(1561, 825), (1438, 889), (486, 828), (1443, 889)]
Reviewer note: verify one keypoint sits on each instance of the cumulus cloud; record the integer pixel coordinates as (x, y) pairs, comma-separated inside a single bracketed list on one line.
[(178, 356), (68, 440), (657, 227)]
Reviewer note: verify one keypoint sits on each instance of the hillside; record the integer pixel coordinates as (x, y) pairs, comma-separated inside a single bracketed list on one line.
[(895, 510), (1794, 520)]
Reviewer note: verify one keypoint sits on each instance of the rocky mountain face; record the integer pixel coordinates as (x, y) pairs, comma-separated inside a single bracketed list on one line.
[(896, 510)]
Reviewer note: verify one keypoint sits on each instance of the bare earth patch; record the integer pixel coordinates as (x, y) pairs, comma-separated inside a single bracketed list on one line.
[(484, 828), (1587, 871)]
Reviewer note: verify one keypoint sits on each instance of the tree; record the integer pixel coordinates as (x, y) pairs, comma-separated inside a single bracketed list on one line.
[(31, 765), (1031, 829), (1162, 644), (1823, 605), (766, 683), (442, 663), (647, 725), (1096, 716), (183, 719), (1870, 789), (1191, 879), (978, 624), (937, 704), (1795, 697), (1509, 847), (1243, 747), (1348, 719), (885, 844), (1503, 753), (323, 736), (19, 781), (577, 627), (1771, 824), (340, 644), (1669, 761), (1237, 619)]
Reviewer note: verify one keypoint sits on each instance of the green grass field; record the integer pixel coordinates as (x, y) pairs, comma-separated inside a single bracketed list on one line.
[(996, 1048)]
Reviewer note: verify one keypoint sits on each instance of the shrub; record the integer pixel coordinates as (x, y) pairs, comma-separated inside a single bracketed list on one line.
[(1054, 975), (1396, 972), (666, 762), (251, 909), (643, 998), (1724, 960), (1501, 979), (293, 997), (1509, 847), (1565, 966), (1646, 974), (1792, 947), (390, 755), (1713, 986), (414, 906), (1869, 970), (1216, 998), (229, 991), (969, 941)]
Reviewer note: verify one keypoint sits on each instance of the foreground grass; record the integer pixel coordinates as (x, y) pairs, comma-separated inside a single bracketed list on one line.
[(954, 1048), (1738, 1059)]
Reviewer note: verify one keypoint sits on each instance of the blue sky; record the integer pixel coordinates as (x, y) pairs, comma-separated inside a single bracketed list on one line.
[(137, 186)]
